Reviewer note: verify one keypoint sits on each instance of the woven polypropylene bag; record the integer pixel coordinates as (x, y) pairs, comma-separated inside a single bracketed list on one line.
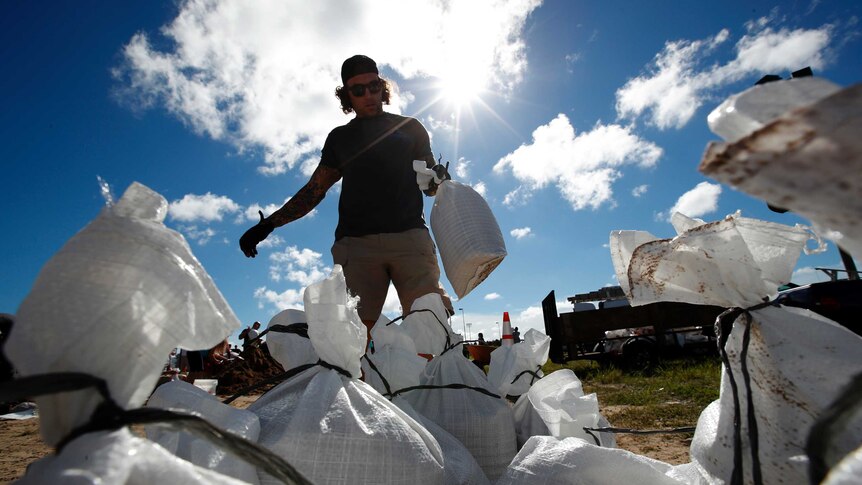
[(182, 396), (484, 424), (467, 235), (118, 457), (112, 303), (334, 429)]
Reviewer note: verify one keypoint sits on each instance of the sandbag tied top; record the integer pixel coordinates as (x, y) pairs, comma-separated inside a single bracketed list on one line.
[(334, 327), (428, 325), (736, 261), (470, 242), (113, 302), (515, 368), (290, 349), (809, 160)]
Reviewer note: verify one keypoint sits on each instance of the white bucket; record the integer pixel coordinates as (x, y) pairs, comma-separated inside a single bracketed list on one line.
[(208, 385)]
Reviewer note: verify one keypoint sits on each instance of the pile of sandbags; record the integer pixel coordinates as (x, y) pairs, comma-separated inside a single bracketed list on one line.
[(782, 366)]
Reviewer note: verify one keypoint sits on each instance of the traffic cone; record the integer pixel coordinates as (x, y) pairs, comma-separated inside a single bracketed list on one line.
[(508, 339)]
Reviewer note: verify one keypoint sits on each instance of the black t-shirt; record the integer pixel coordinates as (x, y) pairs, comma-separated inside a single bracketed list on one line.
[(375, 157)]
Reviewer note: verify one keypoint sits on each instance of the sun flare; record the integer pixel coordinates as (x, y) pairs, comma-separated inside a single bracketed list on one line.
[(462, 87)]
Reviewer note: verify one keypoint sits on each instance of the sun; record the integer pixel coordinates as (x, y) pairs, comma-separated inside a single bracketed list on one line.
[(462, 86)]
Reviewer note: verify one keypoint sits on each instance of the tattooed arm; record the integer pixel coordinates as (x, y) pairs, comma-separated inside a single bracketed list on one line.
[(307, 197)]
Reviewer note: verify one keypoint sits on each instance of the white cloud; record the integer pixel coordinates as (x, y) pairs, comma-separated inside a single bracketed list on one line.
[(521, 232), (679, 81), (492, 296), (519, 196), (480, 188), (200, 235), (290, 298), (807, 275), (583, 167), (207, 207), (699, 201), (272, 241), (640, 190), (446, 126), (461, 170), (303, 266), (232, 70)]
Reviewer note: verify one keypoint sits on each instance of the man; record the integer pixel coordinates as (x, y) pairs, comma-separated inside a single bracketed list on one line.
[(250, 335), (381, 234)]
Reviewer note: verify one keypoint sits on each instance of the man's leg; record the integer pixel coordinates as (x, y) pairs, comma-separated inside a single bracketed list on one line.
[(365, 273), (414, 268)]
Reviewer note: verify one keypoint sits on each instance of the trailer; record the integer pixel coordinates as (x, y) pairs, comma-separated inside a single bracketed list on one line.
[(615, 331)]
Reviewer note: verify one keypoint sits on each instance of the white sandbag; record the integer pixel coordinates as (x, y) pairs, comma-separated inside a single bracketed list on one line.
[(185, 397), (736, 261), (113, 302), (798, 362), (467, 235), (459, 465), (622, 245), (429, 330), (118, 458), (484, 424), (529, 423), (338, 429), (743, 113), (572, 461), (808, 161), (387, 333), (515, 368), (289, 349), (559, 400), (400, 369), (335, 329), (396, 364)]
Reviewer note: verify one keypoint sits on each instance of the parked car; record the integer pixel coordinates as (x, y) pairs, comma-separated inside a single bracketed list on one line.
[(840, 301)]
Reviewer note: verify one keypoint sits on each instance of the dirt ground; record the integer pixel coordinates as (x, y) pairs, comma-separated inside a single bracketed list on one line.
[(21, 445)]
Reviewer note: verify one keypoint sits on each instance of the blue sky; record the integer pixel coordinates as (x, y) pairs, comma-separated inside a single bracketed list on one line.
[(573, 119)]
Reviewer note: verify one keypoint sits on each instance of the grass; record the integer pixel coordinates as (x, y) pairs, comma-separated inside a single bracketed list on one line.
[(672, 395)]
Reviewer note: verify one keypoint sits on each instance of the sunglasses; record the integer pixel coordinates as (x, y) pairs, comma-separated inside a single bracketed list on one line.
[(358, 90)]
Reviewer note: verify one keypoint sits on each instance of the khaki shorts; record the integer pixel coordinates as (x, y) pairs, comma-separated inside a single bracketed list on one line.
[(408, 259)]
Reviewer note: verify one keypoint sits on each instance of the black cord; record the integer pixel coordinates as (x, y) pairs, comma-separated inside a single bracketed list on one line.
[(447, 346), (723, 327), (447, 386)]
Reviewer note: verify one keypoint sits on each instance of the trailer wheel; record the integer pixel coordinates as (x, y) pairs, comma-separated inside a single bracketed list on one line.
[(639, 355)]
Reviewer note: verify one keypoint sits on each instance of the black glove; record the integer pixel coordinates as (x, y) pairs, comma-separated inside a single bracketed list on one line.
[(442, 172), (248, 242)]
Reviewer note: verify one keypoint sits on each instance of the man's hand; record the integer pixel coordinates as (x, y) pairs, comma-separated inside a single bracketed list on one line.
[(441, 173), (249, 241)]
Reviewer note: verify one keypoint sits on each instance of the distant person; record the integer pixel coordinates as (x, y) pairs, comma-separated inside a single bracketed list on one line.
[(481, 339), (516, 335), (251, 335), (381, 236)]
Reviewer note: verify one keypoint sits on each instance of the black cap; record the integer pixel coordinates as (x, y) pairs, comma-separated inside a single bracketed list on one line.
[(355, 65)]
